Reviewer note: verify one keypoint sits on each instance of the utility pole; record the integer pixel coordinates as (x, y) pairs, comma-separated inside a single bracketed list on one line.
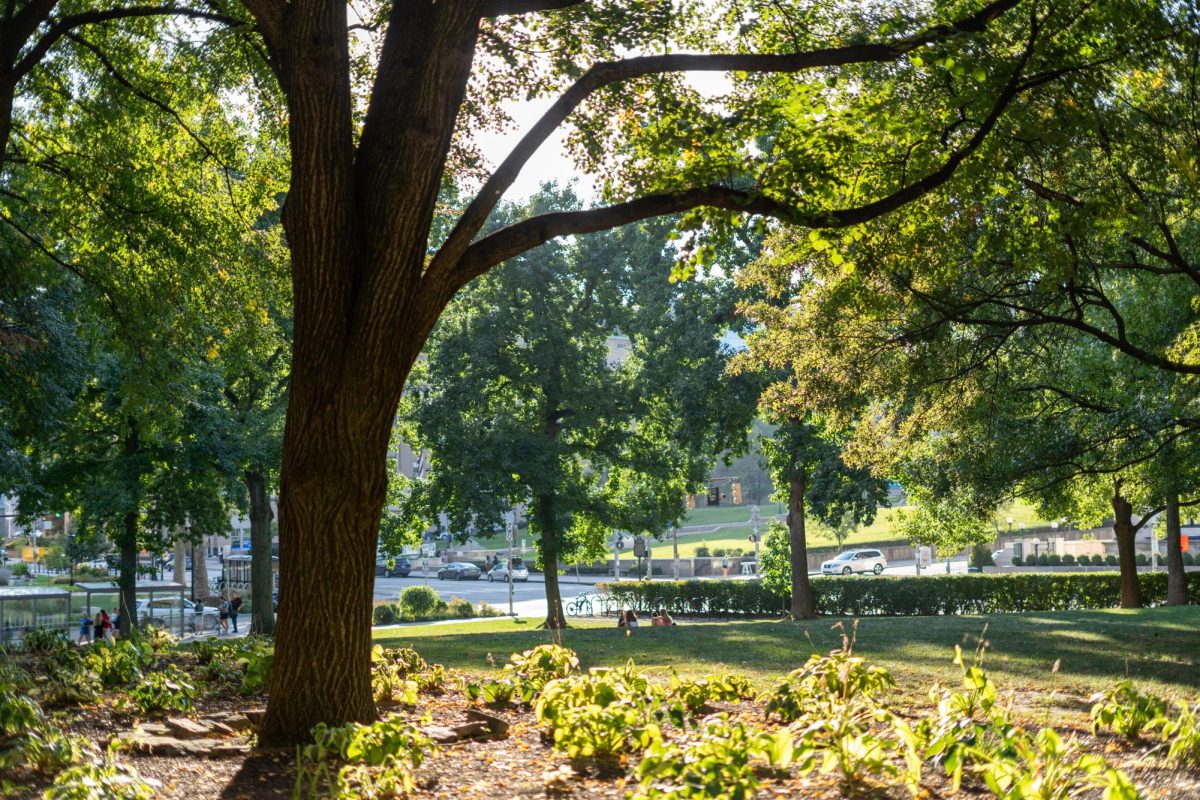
[(675, 548), (511, 534)]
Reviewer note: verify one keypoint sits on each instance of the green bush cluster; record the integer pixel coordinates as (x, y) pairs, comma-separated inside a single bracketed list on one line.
[(455, 608), (419, 601), (985, 593)]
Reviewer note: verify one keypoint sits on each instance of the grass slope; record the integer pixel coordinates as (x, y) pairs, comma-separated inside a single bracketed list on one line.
[(1157, 647)]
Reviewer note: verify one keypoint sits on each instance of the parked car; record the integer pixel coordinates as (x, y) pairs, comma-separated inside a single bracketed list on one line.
[(520, 572), (459, 571), (166, 612), (400, 568), (855, 561)]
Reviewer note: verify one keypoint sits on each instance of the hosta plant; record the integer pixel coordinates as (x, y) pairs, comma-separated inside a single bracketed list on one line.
[(356, 761), (167, 690), (603, 714), (1126, 711), (533, 669), (689, 698), (1183, 736)]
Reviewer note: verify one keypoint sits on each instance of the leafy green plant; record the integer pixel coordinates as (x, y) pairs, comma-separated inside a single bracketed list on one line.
[(419, 601), (385, 613), (825, 684), (169, 689), (1126, 711), (719, 763), (117, 663), (255, 659), (104, 781), (493, 693), (688, 698), (533, 669), (602, 714), (1045, 767), (377, 760), (1183, 736), (159, 639), (44, 641)]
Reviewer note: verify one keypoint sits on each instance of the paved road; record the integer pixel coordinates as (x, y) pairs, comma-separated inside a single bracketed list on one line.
[(529, 598)]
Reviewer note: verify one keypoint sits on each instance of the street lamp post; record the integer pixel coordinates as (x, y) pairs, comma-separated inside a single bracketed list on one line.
[(754, 525)]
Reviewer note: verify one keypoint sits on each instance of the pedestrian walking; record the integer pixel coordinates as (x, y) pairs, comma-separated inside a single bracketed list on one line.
[(85, 628), (105, 625), (223, 616), (235, 607), (116, 623)]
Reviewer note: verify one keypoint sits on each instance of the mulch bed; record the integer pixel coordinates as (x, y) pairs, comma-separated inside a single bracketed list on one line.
[(524, 765)]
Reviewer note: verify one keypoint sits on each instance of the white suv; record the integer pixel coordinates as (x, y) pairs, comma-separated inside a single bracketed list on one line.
[(855, 561)]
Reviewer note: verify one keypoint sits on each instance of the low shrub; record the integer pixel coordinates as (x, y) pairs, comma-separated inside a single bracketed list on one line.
[(981, 555), (974, 593), (1016, 561), (1043, 560), (719, 552), (385, 613), (419, 601), (1142, 559), (1068, 560), (1188, 559), (1111, 560), (460, 607), (703, 552), (1054, 560)]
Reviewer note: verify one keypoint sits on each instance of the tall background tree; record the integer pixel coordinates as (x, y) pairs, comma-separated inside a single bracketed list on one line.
[(525, 403)]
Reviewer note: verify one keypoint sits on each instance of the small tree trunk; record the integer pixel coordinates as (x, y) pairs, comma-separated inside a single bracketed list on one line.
[(1131, 590), (180, 558), (127, 580), (199, 572), (1176, 577), (803, 606), (548, 546), (262, 573)]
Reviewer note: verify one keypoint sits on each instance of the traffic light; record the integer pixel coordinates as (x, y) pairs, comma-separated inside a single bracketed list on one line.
[(737, 493), (691, 501), (714, 495)]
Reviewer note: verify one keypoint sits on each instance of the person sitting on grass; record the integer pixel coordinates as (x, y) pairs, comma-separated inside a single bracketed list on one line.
[(661, 619)]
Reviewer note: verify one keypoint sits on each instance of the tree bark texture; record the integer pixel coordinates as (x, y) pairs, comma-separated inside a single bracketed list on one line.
[(803, 606), (262, 572), (1176, 575), (199, 573), (548, 542), (128, 546), (1131, 590), (179, 568)]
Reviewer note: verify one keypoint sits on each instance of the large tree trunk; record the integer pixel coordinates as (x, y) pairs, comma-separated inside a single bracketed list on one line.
[(333, 485), (1131, 590), (803, 606), (548, 544), (1176, 576), (262, 573)]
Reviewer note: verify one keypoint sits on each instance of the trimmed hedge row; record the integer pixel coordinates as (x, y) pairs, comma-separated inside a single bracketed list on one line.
[(900, 596)]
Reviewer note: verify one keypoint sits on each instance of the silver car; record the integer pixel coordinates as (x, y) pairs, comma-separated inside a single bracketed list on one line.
[(520, 572), (864, 560), (459, 571)]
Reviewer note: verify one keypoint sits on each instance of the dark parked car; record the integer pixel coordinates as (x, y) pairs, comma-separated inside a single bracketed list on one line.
[(399, 569), (459, 571)]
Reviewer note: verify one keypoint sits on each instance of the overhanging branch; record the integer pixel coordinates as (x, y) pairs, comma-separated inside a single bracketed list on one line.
[(503, 8), (609, 73), (477, 258)]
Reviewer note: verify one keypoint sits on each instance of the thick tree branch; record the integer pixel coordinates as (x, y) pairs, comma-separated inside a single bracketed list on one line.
[(503, 8), (514, 239), (609, 73)]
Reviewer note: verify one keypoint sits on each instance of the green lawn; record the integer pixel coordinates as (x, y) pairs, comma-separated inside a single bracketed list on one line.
[(1158, 647)]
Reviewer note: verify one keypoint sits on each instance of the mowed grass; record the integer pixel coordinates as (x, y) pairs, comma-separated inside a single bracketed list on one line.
[(1072, 653)]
